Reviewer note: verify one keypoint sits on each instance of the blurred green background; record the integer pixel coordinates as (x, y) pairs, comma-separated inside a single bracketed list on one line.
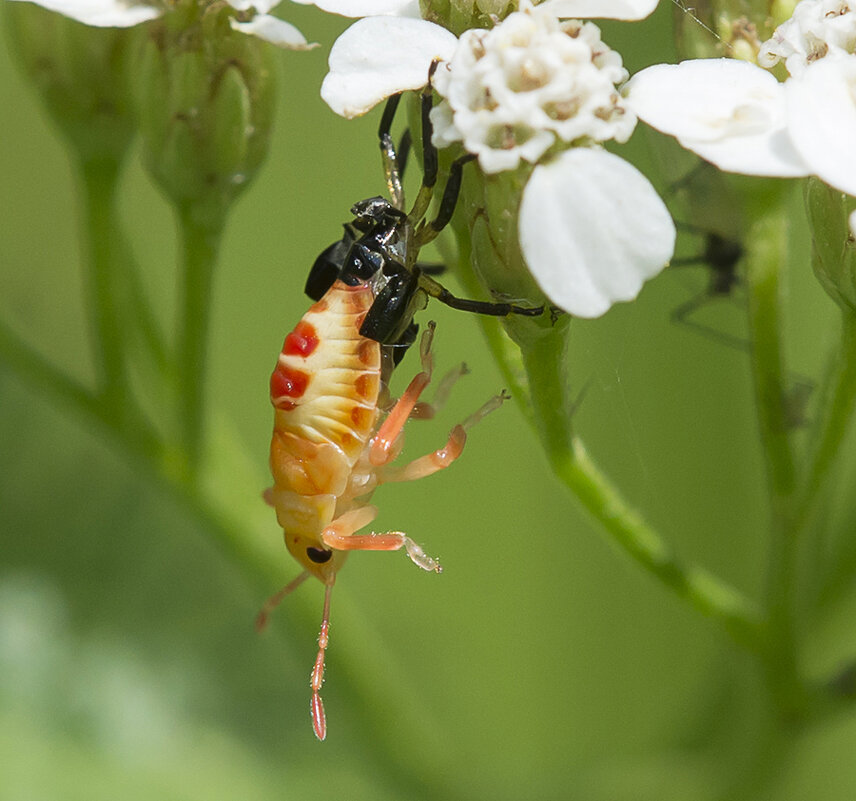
[(540, 664)]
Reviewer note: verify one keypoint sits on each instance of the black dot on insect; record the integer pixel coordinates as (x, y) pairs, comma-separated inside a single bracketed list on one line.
[(318, 555)]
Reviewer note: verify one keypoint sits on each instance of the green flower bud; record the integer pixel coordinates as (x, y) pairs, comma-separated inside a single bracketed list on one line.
[(461, 15), (205, 99), (722, 28), (833, 245), (80, 74)]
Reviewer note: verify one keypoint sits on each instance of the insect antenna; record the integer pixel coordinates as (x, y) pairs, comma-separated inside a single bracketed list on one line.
[(319, 719), (276, 599)]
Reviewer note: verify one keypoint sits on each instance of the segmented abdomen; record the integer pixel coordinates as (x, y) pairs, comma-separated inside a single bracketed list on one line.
[(325, 390)]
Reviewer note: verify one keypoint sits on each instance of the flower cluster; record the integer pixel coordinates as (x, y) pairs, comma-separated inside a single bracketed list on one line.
[(592, 229), (817, 29), (739, 117), (511, 91)]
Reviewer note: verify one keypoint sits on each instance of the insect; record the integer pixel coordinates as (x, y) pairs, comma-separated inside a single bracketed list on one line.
[(721, 257), (337, 431), (382, 243), (336, 434)]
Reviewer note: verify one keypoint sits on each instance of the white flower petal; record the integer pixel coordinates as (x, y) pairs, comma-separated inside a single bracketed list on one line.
[(770, 154), (853, 224), (706, 98), (103, 13), (822, 120), (729, 112), (365, 8), (380, 56), (593, 230), (601, 9), (273, 30)]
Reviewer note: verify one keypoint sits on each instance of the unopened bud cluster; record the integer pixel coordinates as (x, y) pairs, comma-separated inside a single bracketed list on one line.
[(204, 97)]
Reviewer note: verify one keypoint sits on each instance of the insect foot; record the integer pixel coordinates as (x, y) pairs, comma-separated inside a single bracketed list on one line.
[(419, 557)]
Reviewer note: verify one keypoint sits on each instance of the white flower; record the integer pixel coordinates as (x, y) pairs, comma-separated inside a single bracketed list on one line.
[(821, 105), (379, 56), (817, 29), (592, 228), (127, 13), (740, 118), (268, 27), (729, 112), (510, 92)]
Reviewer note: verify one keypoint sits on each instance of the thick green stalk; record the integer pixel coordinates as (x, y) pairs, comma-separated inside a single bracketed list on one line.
[(116, 317), (766, 256), (200, 241), (624, 525), (104, 267)]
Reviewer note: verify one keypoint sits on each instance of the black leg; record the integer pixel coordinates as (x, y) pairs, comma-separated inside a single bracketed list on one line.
[(478, 306), (429, 155), (431, 267), (391, 165), (429, 152), (450, 193), (683, 315), (404, 151), (388, 115)]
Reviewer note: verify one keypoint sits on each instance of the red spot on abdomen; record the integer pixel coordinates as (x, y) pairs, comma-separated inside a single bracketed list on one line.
[(286, 382), (302, 341)]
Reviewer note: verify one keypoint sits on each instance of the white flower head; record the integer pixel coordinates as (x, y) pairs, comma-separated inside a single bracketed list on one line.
[(740, 118), (510, 92), (817, 29), (592, 228)]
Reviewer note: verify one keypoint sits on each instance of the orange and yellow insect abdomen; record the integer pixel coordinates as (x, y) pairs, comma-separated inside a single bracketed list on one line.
[(325, 391)]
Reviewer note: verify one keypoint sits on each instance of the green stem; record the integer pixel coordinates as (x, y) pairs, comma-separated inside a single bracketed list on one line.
[(103, 285), (505, 352), (49, 381), (200, 242), (148, 330), (624, 525), (765, 256), (39, 374), (766, 253), (836, 416)]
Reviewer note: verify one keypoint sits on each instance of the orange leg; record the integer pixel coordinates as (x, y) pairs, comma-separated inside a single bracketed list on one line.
[(382, 447), (341, 535), (443, 457), (426, 411), (276, 599)]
